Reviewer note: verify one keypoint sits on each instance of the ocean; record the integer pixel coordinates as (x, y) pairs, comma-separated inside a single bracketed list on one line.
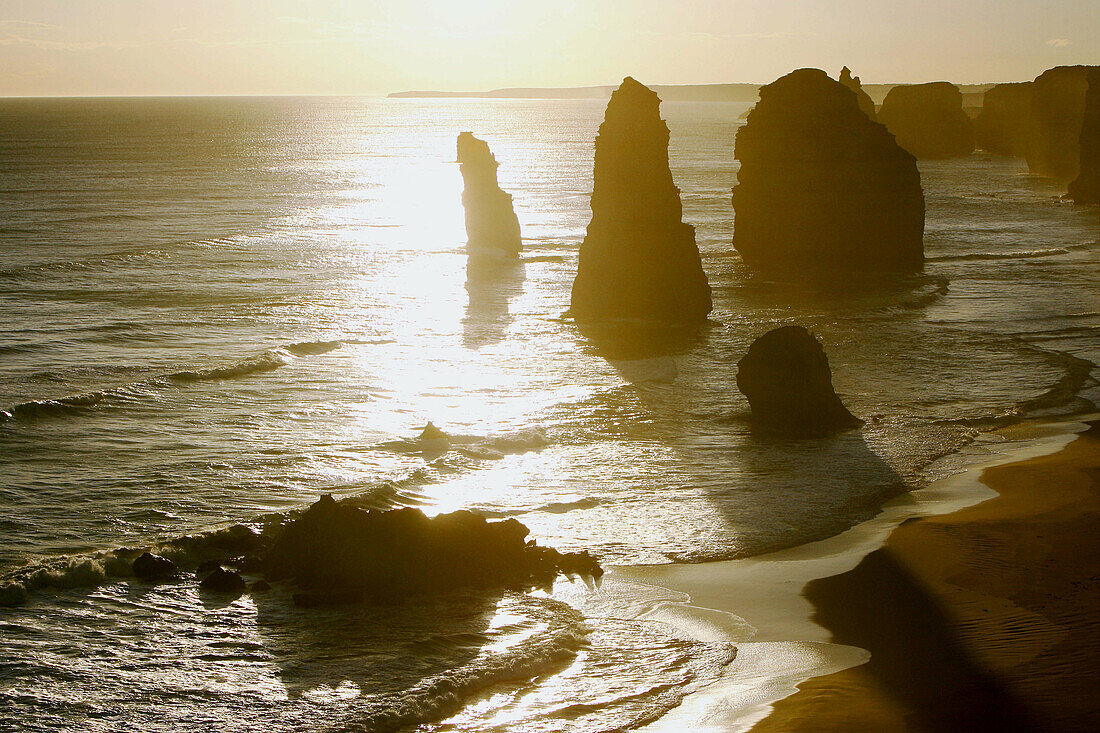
[(217, 309)]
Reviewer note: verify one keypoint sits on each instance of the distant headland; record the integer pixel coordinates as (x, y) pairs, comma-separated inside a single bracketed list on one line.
[(739, 92)]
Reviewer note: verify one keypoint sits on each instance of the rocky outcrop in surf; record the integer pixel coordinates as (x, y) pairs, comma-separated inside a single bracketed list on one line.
[(852, 82), (337, 553), (928, 120), (822, 189), (491, 223), (1004, 124), (787, 380), (1057, 114), (152, 567), (639, 260), (225, 581), (1085, 189)]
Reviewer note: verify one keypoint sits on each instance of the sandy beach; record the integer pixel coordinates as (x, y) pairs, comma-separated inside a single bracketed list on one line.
[(963, 605), (982, 619)]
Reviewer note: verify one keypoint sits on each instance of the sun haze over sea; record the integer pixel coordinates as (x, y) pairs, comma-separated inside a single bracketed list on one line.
[(121, 48), (578, 366)]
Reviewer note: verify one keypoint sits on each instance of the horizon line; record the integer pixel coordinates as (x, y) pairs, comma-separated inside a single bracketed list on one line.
[(470, 92)]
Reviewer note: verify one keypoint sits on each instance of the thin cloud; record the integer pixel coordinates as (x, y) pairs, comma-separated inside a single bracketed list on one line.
[(777, 34), (1059, 42), (25, 24), (47, 37), (46, 44), (725, 37)]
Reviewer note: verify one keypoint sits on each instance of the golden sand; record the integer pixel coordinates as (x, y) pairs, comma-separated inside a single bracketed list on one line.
[(984, 619)]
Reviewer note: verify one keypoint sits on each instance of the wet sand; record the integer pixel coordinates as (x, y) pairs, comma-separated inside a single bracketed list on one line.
[(987, 618)]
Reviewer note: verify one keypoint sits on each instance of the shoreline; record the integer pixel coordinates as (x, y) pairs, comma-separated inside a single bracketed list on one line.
[(992, 613), (758, 603)]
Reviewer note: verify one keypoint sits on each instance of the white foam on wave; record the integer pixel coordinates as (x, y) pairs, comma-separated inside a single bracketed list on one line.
[(492, 447), (265, 361), (561, 634), (981, 256), (91, 569)]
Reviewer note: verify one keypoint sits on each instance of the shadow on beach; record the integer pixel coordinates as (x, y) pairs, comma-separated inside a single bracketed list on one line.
[(915, 656)]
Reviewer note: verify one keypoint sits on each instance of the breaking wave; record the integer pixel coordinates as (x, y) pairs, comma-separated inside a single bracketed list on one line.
[(491, 447), (562, 636), (137, 391), (39, 269), (1062, 396), (555, 507), (980, 256)]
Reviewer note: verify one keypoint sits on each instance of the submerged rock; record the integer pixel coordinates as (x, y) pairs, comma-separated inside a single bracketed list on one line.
[(822, 189), (215, 546), (333, 597), (1085, 189), (1057, 114), (639, 260), (1004, 124), (208, 566), (865, 102), (337, 553), (149, 566), (491, 223), (12, 594), (223, 581), (787, 380), (431, 432), (928, 120)]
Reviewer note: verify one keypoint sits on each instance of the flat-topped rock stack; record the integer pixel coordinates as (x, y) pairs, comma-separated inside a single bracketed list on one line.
[(1057, 114), (638, 260), (1004, 124), (928, 120), (822, 189)]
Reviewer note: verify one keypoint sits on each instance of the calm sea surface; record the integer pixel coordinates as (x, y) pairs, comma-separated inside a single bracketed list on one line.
[(217, 309)]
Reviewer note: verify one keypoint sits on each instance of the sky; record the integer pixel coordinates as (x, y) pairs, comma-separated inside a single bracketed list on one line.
[(372, 47)]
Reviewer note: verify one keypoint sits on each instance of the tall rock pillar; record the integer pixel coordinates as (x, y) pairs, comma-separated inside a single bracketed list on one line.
[(639, 260)]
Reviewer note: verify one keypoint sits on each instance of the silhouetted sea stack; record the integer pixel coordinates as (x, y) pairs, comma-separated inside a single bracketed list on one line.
[(787, 380), (928, 120), (1085, 189), (491, 223), (865, 102), (639, 260), (1004, 124), (1057, 112), (337, 553), (822, 189)]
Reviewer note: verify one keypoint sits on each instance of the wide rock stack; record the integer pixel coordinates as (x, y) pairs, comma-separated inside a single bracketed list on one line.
[(491, 224), (822, 189), (1086, 188), (789, 385), (1057, 113), (336, 553), (1004, 124), (928, 120), (639, 260), (865, 102)]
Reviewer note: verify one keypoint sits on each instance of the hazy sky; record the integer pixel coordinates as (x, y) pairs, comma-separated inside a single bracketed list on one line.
[(78, 47)]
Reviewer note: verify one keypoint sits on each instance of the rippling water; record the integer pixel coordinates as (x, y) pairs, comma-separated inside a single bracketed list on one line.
[(217, 309)]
